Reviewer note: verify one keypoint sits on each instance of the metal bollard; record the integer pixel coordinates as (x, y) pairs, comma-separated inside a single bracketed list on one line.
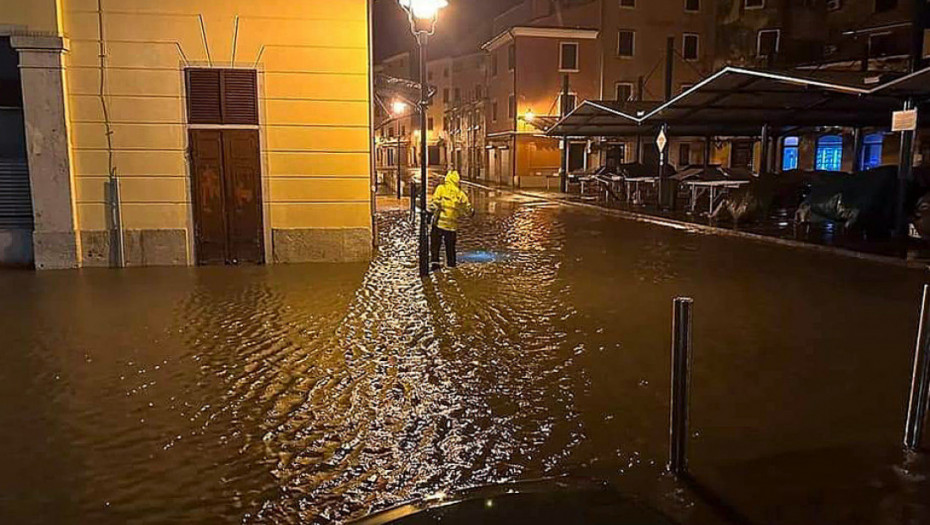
[(920, 382), (681, 379)]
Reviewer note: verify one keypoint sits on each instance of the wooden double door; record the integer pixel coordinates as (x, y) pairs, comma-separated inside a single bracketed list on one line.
[(227, 195)]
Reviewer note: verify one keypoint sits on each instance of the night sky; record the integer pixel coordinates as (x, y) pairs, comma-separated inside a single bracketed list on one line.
[(464, 25)]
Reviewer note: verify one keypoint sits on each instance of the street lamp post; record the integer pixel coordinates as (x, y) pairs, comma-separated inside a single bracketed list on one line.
[(423, 15)]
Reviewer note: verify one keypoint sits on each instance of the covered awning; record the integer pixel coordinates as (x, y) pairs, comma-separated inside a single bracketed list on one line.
[(738, 102)]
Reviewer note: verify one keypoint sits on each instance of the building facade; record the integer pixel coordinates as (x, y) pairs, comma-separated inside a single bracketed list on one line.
[(526, 73), (193, 132)]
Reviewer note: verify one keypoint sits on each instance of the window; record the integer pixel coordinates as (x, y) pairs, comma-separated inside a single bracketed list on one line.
[(790, 153), (445, 73), (692, 6), (624, 91), (429, 124), (445, 95), (403, 130), (626, 43), (494, 111), (568, 56), (690, 46), (754, 4), (458, 94), (511, 57), (493, 64), (512, 107), (684, 155), (872, 151), (768, 42), (882, 44), (222, 96), (830, 153), (429, 76), (477, 91), (629, 4), (883, 6)]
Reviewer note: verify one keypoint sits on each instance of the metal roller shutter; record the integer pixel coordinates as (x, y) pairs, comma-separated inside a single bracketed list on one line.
[(15, 199)]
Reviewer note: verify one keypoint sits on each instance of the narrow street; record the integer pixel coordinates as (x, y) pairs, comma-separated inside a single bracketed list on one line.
[(323, 392)]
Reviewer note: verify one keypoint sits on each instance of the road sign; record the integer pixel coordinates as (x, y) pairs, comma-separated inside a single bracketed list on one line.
[(904, 120), (661, 141)]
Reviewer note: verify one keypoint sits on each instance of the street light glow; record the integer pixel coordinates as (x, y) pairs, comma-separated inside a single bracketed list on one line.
[(423, 9), (529, 117), (399, 107)]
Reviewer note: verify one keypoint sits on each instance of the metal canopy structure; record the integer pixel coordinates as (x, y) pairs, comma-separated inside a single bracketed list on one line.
[(739, 102)]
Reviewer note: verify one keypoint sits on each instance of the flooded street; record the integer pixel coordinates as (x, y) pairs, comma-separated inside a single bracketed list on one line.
[(319, 393)]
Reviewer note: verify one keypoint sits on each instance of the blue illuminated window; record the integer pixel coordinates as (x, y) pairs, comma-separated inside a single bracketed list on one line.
[(790, 154), (830, 153), (872, 151)]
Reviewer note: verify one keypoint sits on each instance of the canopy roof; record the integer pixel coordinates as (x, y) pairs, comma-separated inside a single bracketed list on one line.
[(738, 102)]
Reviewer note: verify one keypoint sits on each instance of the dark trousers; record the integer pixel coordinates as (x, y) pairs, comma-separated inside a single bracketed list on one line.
[(437, 236)]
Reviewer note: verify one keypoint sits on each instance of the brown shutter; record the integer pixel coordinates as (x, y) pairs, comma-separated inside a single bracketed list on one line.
[(240, 97), (203, 96)]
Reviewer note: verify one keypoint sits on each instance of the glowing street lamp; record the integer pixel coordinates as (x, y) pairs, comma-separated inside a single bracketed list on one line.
[(529, 116), (423, 15), (398, 108)]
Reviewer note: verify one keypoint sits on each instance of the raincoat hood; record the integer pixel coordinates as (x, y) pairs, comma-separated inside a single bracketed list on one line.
[(452, 178)]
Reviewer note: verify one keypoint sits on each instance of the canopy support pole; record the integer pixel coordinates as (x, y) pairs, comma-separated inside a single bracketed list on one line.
[(663, 182), (766, 148), (857, 150), (905, 171), (707, 141)]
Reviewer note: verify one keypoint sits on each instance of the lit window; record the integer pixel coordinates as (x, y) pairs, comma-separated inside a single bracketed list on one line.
[(830, 153), (790, 154), (872, 151)]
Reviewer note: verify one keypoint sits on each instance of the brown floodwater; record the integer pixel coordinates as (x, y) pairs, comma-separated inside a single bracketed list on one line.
[(319, 393)]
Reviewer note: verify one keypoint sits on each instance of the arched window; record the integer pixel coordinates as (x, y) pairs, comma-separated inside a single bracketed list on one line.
[(830, 153), (790, 153), (872, 151)]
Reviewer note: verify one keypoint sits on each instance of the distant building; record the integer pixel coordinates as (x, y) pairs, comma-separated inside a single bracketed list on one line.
[(238, 132), (526, 68)]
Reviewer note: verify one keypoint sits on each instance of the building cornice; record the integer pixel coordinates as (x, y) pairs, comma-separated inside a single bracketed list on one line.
[(539, 32)]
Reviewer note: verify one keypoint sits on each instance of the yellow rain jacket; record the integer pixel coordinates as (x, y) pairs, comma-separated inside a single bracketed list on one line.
[(450, 202)]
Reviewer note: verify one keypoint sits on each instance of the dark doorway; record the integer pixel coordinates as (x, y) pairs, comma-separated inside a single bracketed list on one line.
[(742, 155), (226, 171), (15, 197), (576, 154)]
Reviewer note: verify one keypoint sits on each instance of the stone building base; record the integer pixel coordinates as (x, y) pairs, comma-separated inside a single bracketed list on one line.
[(141, 248), (321, 245)]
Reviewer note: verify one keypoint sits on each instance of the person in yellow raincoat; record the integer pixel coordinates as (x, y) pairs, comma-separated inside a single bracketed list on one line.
[(449, 203)]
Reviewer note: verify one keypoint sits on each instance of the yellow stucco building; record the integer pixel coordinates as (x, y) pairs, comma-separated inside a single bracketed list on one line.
[(179, 132)]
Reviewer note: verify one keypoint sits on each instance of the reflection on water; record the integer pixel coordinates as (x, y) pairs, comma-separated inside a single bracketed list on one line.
[(319, 393)]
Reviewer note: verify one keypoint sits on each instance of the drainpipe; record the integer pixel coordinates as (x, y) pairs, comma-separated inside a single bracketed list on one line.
[(669, 67), (117, 251)]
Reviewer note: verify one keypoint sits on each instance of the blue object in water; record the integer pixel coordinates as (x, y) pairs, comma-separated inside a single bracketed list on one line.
[(478, 257)]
